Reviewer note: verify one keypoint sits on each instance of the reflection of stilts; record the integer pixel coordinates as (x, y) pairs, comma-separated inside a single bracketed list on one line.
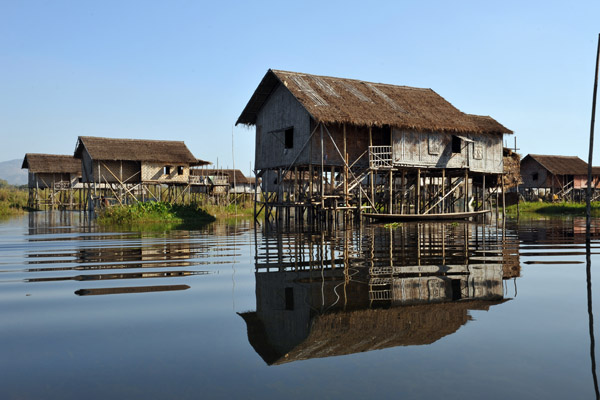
[(319, 295)]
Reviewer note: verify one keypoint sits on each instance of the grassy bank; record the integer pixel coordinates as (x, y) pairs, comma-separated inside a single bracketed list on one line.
[(233, 210), (153, 212), (13, 201), (554, 208)]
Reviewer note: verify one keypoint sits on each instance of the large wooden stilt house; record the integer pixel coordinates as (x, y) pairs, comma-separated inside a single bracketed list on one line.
[(350, 144), (52, 180), (134, 169)]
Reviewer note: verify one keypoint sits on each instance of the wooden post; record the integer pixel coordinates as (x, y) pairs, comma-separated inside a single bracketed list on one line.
[(322, 170), (504, 201), (425, 191), (588, 196), (371, 180), (403, 185), (391, 206), (296, 191), (443, 190), (418, 195), (332, 180), (310, 183), (345, 168), (483, 193), (466, 209)]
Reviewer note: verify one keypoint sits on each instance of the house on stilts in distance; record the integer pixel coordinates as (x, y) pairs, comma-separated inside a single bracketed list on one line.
[(224, 181), (552, 178), (52, 180), (353, 145), (129, 170)]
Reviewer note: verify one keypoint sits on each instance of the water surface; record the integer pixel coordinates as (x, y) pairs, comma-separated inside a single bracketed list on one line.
[(452, 310)]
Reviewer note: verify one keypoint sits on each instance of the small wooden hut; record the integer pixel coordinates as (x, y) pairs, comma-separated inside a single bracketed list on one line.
[(224, 180), (556, 177), (134, 169), (399, 150), (52, 179)]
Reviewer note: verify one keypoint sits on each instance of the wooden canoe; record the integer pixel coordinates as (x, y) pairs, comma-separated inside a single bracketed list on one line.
[(424, 217)]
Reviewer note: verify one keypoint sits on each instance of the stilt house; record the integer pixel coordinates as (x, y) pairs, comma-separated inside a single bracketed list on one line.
[(51, 179), (48, 171), (397, 148), (225, 180), (556, 177), (131, 166)]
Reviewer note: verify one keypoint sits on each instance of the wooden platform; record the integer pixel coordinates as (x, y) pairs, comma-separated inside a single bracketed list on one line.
[(424, 217)]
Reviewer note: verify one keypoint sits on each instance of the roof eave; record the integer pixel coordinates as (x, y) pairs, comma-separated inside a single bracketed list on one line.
[(271, 80)]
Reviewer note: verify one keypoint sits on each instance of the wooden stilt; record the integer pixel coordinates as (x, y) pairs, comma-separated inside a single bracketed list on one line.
[(418, 193)]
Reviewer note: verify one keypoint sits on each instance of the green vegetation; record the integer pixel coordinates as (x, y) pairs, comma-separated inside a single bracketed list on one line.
[(554, 208), (13, 200), (393, 225), (232, 210), (153, 212)]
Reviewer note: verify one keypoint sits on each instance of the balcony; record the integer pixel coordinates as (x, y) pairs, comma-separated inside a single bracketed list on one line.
[(380, 157)]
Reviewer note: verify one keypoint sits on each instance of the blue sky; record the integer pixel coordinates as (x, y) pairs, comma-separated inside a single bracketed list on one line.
[(184, 70)]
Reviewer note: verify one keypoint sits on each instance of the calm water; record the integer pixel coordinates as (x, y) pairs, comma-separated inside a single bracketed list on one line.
[(442, 310)]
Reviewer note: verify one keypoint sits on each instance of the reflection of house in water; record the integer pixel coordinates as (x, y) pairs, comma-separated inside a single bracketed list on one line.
[(557, 231), (97, 258), (353, 294)]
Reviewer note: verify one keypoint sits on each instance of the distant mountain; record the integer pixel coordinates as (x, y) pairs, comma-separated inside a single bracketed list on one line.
[(11, 172)]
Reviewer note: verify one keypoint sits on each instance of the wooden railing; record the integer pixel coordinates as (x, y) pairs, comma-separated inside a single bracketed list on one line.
[(59, 185), (380, 156)]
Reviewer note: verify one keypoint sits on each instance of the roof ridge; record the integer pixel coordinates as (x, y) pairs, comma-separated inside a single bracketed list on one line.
[(131, 139), (47, 154), (350, 79)]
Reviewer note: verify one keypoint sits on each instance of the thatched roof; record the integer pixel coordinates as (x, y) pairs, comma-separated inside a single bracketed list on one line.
[(200, 163), (560, 165), (339, 100), (51, 163), (162, 151), (342, 333), (230, 173)]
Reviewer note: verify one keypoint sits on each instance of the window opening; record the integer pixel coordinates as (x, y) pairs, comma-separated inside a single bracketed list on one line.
[(289, 138), (289, 298), (456, 144)]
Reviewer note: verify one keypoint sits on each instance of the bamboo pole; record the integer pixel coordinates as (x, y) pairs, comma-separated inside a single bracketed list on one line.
[(443, 190), (591, 149), (391, 205), (466, 190), (418, 195), (403, 185), (322, 170), (588, 230), (371, 180), (345, 168)]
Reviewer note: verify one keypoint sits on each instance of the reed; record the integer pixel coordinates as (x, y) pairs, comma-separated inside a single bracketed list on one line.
[(554, 208), (152, 212), (13, 201)]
